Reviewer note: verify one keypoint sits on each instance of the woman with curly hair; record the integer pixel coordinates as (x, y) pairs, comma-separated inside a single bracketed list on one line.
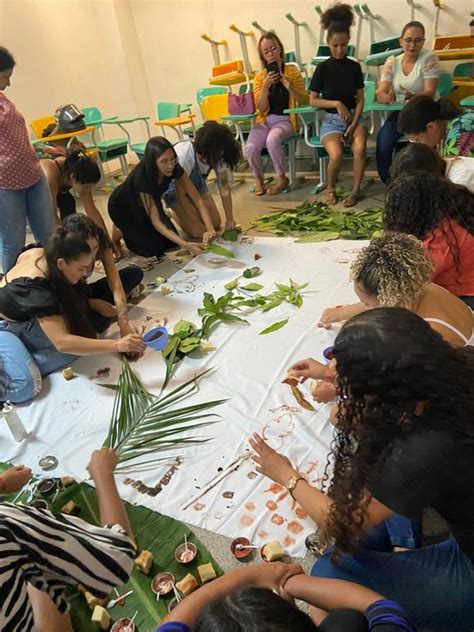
[(395, 271), (214, 148), (441, 215), (404, 441)]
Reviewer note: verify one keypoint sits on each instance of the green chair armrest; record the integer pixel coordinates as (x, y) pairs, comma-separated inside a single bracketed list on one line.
[(302, 109), (115, 120), (238, 117), (185, 107), (384, 107), (468, 101)]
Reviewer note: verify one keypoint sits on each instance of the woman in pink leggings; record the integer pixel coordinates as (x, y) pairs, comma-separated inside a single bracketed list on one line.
[(277, 87)]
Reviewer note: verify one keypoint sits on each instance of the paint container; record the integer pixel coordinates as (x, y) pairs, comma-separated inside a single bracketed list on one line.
[(328, 354), (48, 462), (240, 554), (14, 422), (162, 584), (184, 556), (156, 338), (38, 504), (123, 625), (47, 486)]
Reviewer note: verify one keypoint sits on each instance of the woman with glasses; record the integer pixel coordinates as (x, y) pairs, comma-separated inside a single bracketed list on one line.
[(277, 87), (415, 71), (137, 212)]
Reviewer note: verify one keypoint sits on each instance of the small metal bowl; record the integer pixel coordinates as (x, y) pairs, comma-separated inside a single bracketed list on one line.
[(123, 625), (39, 503), (240, 554), (180, 553), (47, 486), (162, 583)]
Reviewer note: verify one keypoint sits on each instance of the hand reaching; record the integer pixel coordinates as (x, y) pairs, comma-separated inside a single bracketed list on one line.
[(269, 462), (14, 479)]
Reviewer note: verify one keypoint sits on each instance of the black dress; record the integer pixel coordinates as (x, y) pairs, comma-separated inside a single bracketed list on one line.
[(128, 213)]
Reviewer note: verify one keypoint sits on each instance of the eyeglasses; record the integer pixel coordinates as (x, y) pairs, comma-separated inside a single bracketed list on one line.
[(270, 50), (168, 161), (416, 40)]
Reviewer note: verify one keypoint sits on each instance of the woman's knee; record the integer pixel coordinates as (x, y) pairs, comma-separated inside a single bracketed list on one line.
[(21, 375)]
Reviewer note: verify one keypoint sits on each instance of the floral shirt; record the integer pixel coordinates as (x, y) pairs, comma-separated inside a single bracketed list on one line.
[(459, 140)]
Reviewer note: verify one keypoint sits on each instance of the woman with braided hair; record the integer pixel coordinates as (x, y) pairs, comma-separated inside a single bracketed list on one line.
[(404, 441), (441, 214), (395, 271)]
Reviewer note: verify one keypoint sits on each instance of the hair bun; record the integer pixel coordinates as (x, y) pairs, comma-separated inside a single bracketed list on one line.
[(339, 13)]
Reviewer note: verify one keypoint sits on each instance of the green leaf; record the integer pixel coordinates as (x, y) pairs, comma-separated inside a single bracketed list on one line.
[(184, 328), (231, 318), (232, 284), (219, 250), (274, 327), (252, 287), (189, 344), (325, 235), (230, 235), (249, 273)]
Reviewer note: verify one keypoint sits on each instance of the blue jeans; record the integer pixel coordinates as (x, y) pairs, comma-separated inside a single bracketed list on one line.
[(386, 141), (18, 206), (27, 355), (196, 178), (434, 584)]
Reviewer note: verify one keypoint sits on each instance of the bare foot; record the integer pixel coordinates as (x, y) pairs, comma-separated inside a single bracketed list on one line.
[(259, 187), (280, 186), (352, 199), (331, 198)]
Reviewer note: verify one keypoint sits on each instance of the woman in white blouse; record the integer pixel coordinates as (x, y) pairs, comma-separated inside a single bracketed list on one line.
[(415, 71)]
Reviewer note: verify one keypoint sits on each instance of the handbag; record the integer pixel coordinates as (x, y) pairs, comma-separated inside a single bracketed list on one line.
[(241, 103)]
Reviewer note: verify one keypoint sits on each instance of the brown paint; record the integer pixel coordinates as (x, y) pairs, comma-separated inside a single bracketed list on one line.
[(247, 521), (294, 527), (277, 519)]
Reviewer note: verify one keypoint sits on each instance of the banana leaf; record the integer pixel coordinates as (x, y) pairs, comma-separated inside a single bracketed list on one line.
[(154, 532), (143, 425)]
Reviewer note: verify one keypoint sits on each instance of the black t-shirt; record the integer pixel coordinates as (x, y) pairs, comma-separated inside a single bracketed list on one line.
[(431, 468), (338, 80), (24, 299), (279, 99)]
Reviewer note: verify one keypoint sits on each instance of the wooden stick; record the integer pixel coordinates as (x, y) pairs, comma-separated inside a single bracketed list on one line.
[(218, 478)]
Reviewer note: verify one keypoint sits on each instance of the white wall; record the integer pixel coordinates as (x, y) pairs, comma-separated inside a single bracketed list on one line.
[(125, 55)]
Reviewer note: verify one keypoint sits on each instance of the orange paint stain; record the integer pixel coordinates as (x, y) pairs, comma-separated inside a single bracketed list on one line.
[(288, 541), (294, 527), (247, 521), (249, 506), (275, 488), (277, 519), (262, 534), (301, 513), (271, 504)]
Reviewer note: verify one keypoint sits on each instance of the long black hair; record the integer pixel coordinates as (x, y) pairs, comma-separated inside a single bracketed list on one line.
[(417, 157), (215, 142), (421, 110), (84, 168), (338, 19), (85, 227), (64, 244), (389, 360), (252, 609), (7, 62)]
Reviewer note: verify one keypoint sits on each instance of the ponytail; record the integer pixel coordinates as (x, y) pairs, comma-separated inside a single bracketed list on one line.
[(338, 19), (84, 168)]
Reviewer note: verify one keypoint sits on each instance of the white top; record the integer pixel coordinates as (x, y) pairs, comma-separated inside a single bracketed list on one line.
[(426, 67), (460, 170), (188, 158)]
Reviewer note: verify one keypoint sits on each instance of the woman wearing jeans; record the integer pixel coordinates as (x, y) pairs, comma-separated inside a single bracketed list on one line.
[(24, 193), (404, 441)]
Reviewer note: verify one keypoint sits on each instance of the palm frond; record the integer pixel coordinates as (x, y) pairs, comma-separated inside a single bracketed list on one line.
[(144, 425)]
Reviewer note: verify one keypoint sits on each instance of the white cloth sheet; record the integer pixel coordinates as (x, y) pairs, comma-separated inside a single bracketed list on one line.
[(70, 418)]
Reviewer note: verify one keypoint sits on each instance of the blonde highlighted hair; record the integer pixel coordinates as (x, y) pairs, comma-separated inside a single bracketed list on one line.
[(394, 268)]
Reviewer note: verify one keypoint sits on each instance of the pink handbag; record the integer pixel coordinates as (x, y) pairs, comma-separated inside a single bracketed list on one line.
[(241, 103)]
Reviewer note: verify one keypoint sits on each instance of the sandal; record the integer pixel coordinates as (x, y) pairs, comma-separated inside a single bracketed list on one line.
[(280, 186), (331, 198), (352, 199), (259, 187)]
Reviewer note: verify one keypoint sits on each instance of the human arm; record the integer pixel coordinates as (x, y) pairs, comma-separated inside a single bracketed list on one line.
[(185, 184), (309, 368), (101, 468), (261, 88), (52, 173), (55, 329), (226, 197), (13, 479), (93, 213), (315, 503), (385, 92), (158, 225), (429, 89), (340, 313), (116, 288), (294, 83), (317, 102), (265, 575)]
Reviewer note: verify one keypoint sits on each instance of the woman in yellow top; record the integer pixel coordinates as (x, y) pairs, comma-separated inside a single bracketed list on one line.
[(274, 92)]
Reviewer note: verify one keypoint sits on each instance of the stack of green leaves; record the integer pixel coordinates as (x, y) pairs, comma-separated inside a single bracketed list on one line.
[(314, 222), (154, 532)]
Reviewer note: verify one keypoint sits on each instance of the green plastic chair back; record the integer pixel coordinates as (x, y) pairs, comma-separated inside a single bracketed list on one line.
[(290, 57), (445, 84), (464, 70), (167, 110), (209, 91), (369, 93), (243, 88), (391, 43), (91, 115)]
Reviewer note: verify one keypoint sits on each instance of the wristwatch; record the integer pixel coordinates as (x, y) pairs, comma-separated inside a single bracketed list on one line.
[(292, 483)]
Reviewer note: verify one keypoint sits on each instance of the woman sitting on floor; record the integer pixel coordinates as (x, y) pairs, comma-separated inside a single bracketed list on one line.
[(45, 318), (414, 72), (438, 124), (442, 215), (395, 271), (244, 600), (404, 442), (277, 87), (43, 555), (421, 157), (338, 87), (214, 148), (136, 209)]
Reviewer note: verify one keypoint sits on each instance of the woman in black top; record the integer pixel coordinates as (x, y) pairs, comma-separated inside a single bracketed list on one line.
[(404, 441), (136, 209), (337, 86)]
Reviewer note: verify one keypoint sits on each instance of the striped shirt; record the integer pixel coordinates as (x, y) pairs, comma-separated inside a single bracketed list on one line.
[(52, 553)]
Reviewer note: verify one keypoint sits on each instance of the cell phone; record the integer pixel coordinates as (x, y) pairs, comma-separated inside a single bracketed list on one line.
[(273, 67)]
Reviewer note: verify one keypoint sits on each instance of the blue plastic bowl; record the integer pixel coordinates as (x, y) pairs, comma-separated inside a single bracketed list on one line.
[(156, 338)]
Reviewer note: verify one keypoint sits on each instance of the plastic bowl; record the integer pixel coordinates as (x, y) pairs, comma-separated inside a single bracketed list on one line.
[(182, 557), (162, 584), (156, 338), (123, 625), (242, 553), (328, 354)]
